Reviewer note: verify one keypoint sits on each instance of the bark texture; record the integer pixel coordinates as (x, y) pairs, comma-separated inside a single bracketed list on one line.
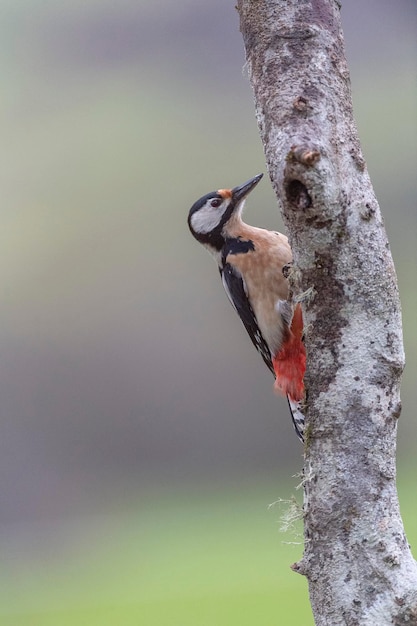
[(356, 558)]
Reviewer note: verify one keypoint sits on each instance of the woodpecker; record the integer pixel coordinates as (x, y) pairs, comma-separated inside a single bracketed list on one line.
[(251, 262)]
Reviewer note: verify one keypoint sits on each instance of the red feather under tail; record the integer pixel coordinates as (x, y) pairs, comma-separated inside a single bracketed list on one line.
[(290, 362)]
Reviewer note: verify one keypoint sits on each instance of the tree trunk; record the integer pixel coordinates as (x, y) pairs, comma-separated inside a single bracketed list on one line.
[(356, 557)]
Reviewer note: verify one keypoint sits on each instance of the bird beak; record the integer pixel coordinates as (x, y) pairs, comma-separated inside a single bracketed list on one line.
[(240, 192)]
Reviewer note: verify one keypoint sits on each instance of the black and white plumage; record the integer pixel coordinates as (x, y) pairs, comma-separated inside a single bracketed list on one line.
[(250, 261)]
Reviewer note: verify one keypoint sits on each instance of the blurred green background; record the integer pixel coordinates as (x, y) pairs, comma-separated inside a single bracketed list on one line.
[(141, 442)]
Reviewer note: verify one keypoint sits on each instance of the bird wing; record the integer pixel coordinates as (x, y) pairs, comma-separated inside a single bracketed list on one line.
[(236, 291)]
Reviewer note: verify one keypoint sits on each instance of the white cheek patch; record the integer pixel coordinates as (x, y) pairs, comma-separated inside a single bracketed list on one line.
[(206, 219)]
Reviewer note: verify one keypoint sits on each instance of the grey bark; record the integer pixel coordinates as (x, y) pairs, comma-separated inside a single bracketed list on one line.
[(356, 557)]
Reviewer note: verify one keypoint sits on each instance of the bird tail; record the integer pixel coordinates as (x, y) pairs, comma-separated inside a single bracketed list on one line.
[(297, 417)]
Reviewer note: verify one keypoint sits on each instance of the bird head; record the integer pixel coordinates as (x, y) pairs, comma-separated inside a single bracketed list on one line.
[(209, 216)]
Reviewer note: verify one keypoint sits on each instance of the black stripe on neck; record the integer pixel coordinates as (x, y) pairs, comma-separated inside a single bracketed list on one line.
[(236, 245)]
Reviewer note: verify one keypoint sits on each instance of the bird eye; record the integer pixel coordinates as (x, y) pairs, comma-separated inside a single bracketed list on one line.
[(215, 202)]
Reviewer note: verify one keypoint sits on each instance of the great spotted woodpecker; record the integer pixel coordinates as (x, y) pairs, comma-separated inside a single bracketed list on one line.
[(251, 262)]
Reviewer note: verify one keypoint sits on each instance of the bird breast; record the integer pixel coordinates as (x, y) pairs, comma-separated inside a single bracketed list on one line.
[(261, 270)]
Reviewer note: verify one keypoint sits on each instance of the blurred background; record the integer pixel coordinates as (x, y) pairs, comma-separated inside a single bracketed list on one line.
[(141, 442)]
